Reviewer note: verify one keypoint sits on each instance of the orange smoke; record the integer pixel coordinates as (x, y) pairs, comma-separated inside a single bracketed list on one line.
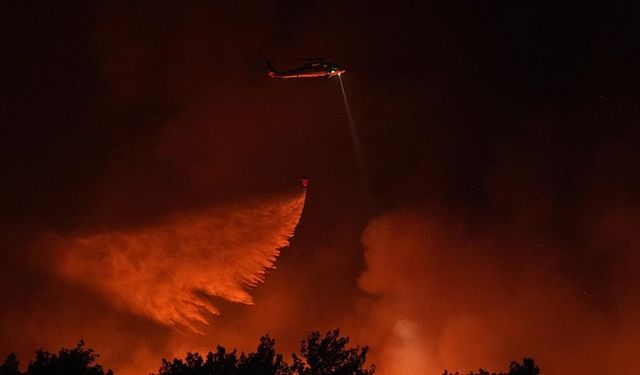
[(446, 296), (170, 271)]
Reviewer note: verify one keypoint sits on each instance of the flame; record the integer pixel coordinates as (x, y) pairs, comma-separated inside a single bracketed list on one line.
[(169, 271)]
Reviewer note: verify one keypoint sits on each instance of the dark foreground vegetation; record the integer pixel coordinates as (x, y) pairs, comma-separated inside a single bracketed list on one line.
[(77, 361), (319, 355), (528, 367)]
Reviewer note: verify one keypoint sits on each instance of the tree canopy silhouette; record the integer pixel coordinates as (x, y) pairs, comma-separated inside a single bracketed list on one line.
[(328, 354), (318, 356), (76, 361), (10, 365), (263, 361), (528, 367)]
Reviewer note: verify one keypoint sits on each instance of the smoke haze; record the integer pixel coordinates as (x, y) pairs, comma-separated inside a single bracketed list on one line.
[(148, 168), (450, 296)]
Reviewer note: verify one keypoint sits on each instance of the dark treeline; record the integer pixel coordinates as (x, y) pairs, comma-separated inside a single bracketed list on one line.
[(528, 367), (79, 360), (318, 355)]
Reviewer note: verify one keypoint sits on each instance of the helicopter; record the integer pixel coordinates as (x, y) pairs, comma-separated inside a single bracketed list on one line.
[(313, 68)]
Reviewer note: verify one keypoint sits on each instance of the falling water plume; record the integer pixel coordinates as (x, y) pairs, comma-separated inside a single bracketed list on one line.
[(170, 271)]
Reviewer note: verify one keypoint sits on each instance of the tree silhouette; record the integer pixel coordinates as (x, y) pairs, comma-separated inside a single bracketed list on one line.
[(330, 355), (318, 356), (264, 361), (76, 361), (10, 365), (528, 367), (218, 363)]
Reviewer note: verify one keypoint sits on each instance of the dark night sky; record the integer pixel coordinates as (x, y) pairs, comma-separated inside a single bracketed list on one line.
[(503, 171)]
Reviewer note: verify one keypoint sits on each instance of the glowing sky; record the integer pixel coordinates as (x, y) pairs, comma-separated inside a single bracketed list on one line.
[(151, 176)]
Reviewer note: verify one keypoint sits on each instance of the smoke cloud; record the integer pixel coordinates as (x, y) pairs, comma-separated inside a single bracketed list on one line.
[(446, 294)]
